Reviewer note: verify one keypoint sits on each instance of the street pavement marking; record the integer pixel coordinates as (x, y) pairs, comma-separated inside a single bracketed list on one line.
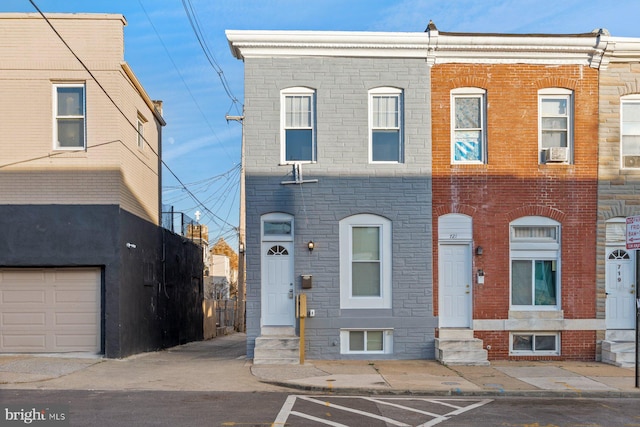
[(395, 402)]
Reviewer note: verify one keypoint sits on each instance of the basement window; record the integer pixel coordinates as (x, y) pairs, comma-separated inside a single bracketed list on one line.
[(526, 343)]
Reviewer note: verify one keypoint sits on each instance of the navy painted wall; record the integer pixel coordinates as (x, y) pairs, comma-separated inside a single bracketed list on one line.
[(152, 294)]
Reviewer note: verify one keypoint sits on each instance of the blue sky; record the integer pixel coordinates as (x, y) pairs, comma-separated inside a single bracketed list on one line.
[(200, 147)]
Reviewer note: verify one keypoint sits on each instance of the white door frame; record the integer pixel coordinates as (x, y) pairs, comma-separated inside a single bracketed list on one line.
[(620, 288), (456, 229), (277, 233), (463, 293)]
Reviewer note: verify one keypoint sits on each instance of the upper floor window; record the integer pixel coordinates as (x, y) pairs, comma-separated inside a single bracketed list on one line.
[(69, 127), (535, 263), (555, 115), (140, 128), (385, 124), (468, 129), (365, 262), (630, 131), (298, 125)]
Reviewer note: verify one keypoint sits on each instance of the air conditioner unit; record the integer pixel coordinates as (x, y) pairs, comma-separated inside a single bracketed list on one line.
[(631, 161), (556, 154)]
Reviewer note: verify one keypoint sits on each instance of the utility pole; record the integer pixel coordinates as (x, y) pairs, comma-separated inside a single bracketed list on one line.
[(241, 308)]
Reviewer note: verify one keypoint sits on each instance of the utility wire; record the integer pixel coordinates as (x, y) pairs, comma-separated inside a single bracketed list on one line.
[(124, 115), (175, 66)]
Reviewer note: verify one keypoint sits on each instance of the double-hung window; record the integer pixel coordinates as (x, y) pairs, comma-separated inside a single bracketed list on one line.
[(140, 128), (555, 114), (535, 263), (630, 131), (69, 122), (298, 134), (365, 262), (468, 125), (385, 124)]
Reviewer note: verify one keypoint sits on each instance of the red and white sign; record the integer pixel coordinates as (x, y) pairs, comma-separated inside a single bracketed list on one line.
[(633, 232)]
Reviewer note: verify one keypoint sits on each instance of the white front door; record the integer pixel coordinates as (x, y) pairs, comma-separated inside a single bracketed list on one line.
[(277, 284), (620, 289), (454, 285)]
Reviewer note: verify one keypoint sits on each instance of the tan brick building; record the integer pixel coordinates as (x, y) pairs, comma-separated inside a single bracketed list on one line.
[(618, 197), (81, 264)]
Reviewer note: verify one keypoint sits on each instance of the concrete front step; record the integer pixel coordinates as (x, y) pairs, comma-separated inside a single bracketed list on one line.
[(620, 335), (619, 353), (459, 347), (277, 349)]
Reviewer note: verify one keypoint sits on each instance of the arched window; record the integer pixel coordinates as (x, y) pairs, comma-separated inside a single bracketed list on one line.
[(535, 263)]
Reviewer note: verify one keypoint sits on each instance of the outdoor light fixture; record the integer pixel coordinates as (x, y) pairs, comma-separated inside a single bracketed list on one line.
[(479, 250), (311, 245)]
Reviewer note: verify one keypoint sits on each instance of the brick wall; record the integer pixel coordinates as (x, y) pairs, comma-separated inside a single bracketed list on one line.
[(513, 184)]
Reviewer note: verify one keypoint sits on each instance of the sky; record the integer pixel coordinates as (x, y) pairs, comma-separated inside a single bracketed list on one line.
[(200, 82)]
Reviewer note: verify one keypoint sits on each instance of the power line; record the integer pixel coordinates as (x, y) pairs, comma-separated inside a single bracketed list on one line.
[(195, 25), (175, 66), (123, 114)]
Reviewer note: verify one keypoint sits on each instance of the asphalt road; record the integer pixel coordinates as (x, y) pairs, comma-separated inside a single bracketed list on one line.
[(175, 408)]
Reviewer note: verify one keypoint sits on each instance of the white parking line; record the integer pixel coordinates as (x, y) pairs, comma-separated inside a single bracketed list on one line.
[(395, 402)]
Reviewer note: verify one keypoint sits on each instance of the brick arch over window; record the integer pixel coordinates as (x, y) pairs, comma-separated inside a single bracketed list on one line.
[(454, 208), (630, 88), (619, 209), (469, 81), (561, 82), (536, 210)]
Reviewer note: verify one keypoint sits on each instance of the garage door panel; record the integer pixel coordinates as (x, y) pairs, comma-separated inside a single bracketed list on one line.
[(23, 319), (23, 342), (86, 320), (22, 296), (75, 296), (50, 310), (22, 276)]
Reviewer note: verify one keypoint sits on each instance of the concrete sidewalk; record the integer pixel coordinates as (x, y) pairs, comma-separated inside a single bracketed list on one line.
[(220, 365)]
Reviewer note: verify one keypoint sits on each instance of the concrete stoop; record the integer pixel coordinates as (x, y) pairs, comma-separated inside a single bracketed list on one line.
[(277, 346), (459, 347), (619, 348)]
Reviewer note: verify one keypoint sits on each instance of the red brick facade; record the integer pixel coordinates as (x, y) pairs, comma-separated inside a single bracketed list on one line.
[(513, 184)]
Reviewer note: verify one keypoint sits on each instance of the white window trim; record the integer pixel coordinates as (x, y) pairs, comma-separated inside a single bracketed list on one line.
[(539, 250), (293, 91), (389, 91), (556, 93), (387, 341), (55, 87), (276, 216), (140, 125), (533, 352), (623, 100), (346, 298), (469, 92)]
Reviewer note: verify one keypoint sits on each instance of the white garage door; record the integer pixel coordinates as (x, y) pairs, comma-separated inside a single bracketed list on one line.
[(49, 310)]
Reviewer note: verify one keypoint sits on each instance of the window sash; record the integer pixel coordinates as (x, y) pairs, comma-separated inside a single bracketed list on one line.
[(140, 129), (366, 341), (298, 127), (534, 343), (69, 116), (630, 127), (534, 282), (468, 131), (386, 135), (555, 120), (366, 273)]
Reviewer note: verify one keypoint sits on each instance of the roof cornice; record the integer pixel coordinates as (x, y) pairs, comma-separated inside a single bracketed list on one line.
[(434, 47)]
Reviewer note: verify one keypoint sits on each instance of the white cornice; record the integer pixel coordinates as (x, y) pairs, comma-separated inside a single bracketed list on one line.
[(623, 49), (434, 47)]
